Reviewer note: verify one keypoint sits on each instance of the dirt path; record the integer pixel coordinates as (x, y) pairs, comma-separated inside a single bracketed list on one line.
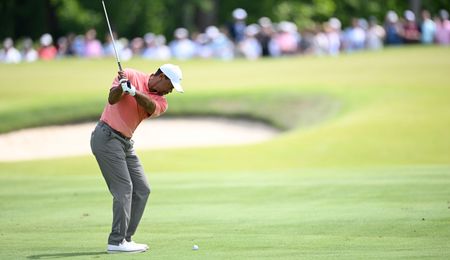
[(72, 140)]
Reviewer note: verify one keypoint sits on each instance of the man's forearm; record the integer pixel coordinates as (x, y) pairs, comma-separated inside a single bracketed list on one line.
[(145, 102), (115, 94)]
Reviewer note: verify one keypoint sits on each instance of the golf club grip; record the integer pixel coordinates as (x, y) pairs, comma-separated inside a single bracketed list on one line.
[(120, 66)]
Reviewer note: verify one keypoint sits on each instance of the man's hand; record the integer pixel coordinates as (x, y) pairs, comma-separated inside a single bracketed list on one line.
[(131, 90), (127, 87), (123, 81), (116, 93)]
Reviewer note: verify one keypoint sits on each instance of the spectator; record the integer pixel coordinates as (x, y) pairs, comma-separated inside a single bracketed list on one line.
[(220, 45), (9, 54), (237, 27), (411, 32), (70, 44), (265, 35), (375, 35), (47, 50), (93, 47), (443, 28), (29, 54), (307, 45), (108, 47), (333, 33), (182, 47), (320, 42), (428, 28), (63, 47), (203, 49), (393, 29), (355, 36), (156, 48), (288, 38), (150, 46), (78, 46), (125, 52), (162, 50), (250, 46), (137, 46)]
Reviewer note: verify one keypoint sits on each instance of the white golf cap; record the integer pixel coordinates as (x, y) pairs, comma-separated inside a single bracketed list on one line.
[(173, 72)]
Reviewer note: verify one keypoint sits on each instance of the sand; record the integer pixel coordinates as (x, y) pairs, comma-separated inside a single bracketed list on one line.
[(74, 140)]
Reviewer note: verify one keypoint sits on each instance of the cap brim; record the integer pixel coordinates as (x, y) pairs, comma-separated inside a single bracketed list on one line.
[(178, 87)]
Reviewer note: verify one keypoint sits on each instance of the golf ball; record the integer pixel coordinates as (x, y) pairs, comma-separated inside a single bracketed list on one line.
[(195, 247)]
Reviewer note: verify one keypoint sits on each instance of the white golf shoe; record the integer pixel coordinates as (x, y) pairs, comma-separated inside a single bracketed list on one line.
[(141, 245), (126, 247)]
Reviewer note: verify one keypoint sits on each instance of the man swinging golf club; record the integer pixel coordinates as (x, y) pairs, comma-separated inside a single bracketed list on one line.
[(133, 97), (128, 104)]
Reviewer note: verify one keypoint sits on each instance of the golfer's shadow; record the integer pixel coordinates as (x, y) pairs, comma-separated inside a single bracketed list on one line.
[(62, 255)]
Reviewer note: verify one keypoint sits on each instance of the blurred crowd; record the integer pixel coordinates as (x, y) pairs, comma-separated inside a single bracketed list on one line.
[(239, 39)]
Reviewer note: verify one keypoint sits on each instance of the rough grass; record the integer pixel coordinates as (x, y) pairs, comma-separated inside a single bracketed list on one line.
[(60, 100)]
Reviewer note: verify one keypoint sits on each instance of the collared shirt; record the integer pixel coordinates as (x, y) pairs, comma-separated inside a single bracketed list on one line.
[(127, 114)]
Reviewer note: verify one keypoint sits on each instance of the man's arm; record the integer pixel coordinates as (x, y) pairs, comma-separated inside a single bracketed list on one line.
[(144, 101), (115, 94)]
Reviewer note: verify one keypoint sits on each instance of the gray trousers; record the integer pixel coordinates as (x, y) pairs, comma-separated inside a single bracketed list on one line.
[(125, 178)]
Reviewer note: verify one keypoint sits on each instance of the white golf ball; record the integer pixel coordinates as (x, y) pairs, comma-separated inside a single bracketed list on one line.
[(195, 247)]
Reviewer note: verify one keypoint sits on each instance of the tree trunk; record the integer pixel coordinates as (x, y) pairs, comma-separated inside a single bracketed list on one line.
[(416, 6), (52, 20), (206, 14)]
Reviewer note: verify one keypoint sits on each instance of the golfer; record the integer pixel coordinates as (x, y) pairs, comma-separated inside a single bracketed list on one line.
[(133, 97)]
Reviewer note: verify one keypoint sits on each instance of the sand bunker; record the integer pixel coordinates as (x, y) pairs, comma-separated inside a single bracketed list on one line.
[(72, 140)]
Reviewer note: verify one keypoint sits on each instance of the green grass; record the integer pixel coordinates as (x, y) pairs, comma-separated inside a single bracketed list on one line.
[(371, 213), (361, 172)]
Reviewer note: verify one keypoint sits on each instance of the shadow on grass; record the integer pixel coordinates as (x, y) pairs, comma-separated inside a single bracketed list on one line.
[(62, 255)]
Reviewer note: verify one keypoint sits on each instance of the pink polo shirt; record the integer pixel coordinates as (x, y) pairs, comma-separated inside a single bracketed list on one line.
[(127, 114)]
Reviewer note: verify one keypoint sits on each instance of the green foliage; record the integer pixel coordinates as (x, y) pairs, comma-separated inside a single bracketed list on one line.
[(306, 13), (73, 17), (135, 18)]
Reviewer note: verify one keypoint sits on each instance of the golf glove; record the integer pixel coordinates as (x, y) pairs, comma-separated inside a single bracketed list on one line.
[(127, 87), (124, 83), (131, 90)]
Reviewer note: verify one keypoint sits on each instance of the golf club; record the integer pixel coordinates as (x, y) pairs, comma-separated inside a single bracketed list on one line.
[(112, 37)]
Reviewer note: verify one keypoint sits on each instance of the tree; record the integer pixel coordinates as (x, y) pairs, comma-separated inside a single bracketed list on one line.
[(21, 18)]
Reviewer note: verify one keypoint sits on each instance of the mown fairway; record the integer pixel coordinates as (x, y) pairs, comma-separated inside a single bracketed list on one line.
[(361, 172)]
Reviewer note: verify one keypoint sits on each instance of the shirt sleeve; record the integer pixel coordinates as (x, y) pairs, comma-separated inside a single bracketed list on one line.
[(160, 107)]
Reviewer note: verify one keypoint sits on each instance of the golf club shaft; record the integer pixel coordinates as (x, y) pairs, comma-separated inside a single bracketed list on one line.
[(112, 37)]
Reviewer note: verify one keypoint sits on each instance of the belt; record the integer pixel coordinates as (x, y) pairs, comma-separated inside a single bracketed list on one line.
[(115, 131)]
